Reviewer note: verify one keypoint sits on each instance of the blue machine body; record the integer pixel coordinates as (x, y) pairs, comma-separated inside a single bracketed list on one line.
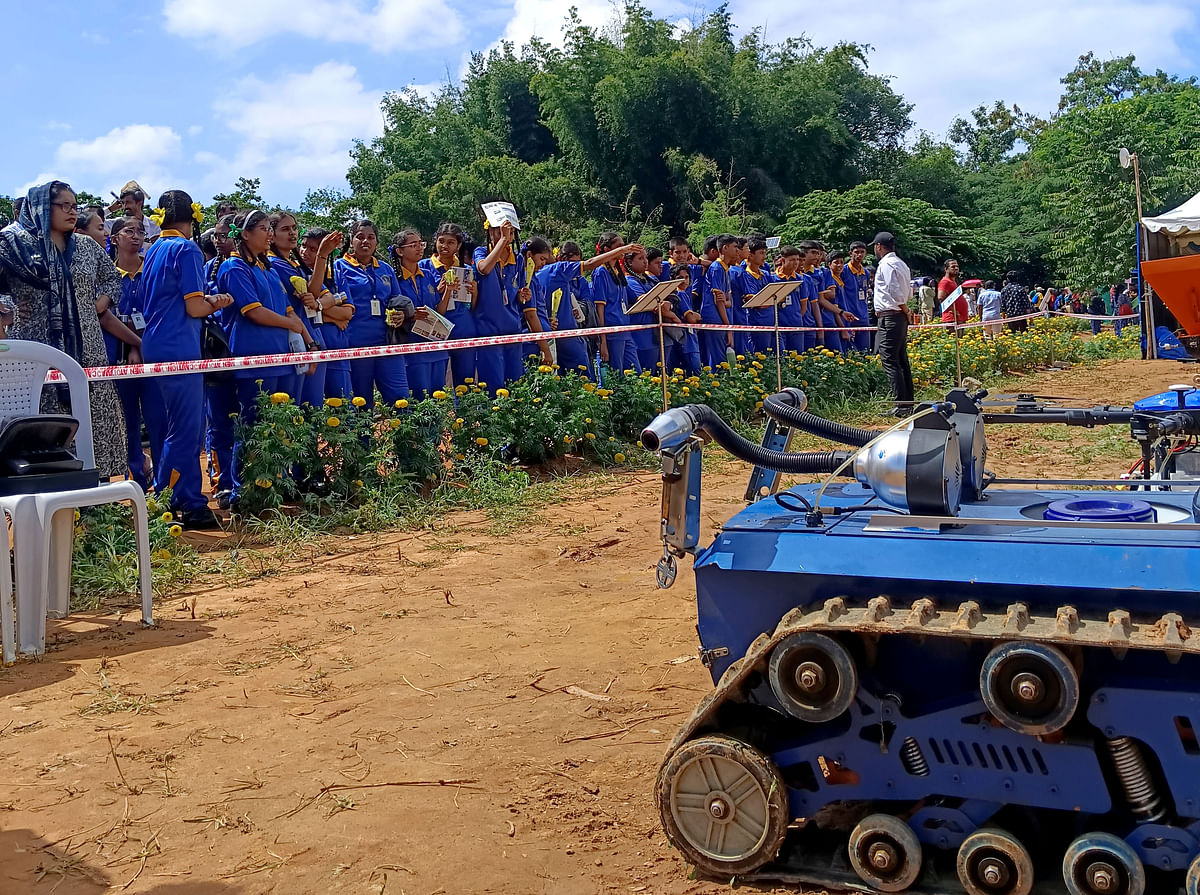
[(767, 560), (1170, 401)]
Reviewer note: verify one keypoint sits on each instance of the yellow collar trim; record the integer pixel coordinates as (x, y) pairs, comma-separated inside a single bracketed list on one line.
[(350, 259), (167, 234), (130, 273), (857, 271)]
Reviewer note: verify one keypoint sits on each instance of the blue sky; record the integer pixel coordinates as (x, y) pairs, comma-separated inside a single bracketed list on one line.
[(279, 89)]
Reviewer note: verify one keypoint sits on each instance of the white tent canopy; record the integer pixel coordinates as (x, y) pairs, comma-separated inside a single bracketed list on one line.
[(1181, 221)]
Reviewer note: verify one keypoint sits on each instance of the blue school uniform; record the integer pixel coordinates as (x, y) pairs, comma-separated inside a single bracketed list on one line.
[(220, 400), (427, 370), (253, 286), (369, 288), (809, 290), (498, 313), (791, 314), (538, 303), (173, 272), (856, 303), (306, 388), (645, 341), (746, 284), (830, 337), (462, 360), (713, 342), (558, 283), (337, 372), (613, 295), (682, 347), (141, 399)]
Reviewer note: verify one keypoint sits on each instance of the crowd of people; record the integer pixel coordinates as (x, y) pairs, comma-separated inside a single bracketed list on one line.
[(153, 287)]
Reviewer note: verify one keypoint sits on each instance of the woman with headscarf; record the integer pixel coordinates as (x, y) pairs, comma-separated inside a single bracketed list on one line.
[(55, 278)]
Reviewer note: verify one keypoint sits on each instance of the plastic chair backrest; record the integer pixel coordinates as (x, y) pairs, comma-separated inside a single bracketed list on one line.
[(23, 369)]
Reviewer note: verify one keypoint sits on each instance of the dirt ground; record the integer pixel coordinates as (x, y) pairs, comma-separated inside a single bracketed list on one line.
[(442, 712)]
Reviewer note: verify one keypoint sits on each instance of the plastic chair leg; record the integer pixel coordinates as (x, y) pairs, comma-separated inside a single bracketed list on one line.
[(60, 539), (29, 548), (8, 620)]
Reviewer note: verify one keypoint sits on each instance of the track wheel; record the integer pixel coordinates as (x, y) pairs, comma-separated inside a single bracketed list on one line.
[(1191, 885), (1102, 864), (885, 853), (723, 804), (1031, 688), (993, 862), (813, 676)]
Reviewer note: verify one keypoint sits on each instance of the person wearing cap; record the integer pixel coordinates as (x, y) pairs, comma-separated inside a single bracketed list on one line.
[(893, 288), (132, 199)]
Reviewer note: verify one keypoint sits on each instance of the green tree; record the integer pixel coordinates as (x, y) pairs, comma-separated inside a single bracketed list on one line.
[(925, 235), (991, 134), (7, 214)]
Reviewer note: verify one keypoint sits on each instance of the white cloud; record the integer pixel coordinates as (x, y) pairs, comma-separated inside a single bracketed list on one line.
[(298, 129), (948, 56), (142, 152), (382, 25)]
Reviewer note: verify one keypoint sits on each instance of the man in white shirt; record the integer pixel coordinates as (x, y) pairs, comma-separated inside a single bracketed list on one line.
[(893, 289)]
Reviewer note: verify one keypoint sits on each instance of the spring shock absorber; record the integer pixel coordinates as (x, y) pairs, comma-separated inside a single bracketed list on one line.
[(1144, 800), (913, 758)]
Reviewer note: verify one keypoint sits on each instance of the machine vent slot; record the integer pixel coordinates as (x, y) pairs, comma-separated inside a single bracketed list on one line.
[(986, 756)]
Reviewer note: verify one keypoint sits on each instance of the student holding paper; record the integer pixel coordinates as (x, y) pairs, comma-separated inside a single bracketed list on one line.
[(748, 282), (427, 370), (610, 294), (714, 300), (447, 255), (639, 282), (556, 283), (497, 309), (793, 308)]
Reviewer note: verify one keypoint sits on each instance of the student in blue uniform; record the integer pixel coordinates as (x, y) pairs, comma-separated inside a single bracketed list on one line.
[(684, 265), (639, 281), (426, 370), (749, 281), (535, 310), (858, 285), (223, 246), (262, 320), (497, 307), (610, 295), (792, 309), (314, 254), (141, 399), (175, 300), (448, 253), (308, 388), (845, 316), (568, 298), (370, 285), (717, 293)]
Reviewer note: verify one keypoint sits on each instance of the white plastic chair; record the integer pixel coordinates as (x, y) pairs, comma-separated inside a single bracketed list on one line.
[(44, 523)]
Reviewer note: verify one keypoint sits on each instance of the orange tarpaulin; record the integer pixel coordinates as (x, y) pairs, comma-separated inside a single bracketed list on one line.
[(1177, 282)]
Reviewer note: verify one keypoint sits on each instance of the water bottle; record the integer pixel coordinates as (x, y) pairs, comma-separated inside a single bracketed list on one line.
[(731, 357)]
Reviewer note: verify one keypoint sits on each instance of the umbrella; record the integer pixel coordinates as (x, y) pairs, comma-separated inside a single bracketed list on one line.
[(971, 284)]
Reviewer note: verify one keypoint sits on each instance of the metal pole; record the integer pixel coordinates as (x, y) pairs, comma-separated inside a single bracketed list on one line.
[(662, 354), (957, 352), (1152, 335), (778, 353)]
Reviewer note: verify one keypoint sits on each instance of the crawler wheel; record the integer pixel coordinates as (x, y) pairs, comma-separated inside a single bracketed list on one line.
[(723, 804), (813, 676), (885, 853), (1102, 864), (1031, 688), (992, 862), (1191, 885)]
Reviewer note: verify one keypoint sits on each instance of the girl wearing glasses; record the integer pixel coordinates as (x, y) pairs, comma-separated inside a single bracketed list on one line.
[(427, 370), (55, 278), (370, 286), (285, 237)]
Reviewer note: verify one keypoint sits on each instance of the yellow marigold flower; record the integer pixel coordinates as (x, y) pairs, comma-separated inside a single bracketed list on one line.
[(333, 422), (395, 424), (263, 482), (590, 436), (545, 368), (167, 517), (297, 421), (460, 456), (440, 395), (176, 530), (280, 398), (537, 400), (468, 380), (566, 439), (501, 393), (402, 403), (358, 483), (162, 553), (460, 390), (482, 385), (495, 407), (741, 357), (359, 401), (482, 442), (333, 402), (618, 457), (588, 420)]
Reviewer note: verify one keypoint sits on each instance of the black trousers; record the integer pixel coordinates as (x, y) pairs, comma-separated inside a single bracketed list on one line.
[(891, 341)]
